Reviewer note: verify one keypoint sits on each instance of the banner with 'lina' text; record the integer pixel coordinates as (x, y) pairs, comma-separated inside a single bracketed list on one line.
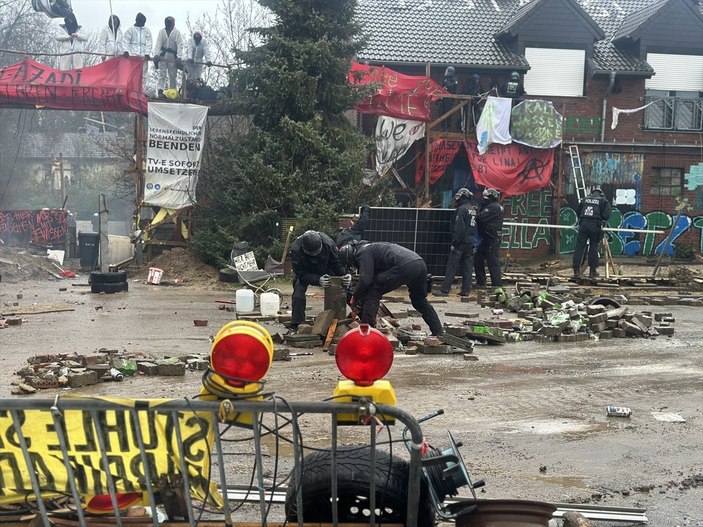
[(174, 148)]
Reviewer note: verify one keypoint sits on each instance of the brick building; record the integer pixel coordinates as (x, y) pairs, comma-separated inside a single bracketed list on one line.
[(588, 57)]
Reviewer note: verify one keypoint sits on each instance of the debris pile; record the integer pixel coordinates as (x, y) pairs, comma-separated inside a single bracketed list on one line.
[(558, 314), (76, 370), (18, 264)]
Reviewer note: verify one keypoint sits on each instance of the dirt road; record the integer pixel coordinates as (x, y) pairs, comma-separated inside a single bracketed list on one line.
[(531, 416)]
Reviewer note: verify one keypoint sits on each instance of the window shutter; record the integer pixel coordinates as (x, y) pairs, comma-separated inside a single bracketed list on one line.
[(556, 72), (675, 72)]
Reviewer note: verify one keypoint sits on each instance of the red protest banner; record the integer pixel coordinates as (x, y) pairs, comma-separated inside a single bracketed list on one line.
[(396, 94), (441, 155), (112, 86), (512, 169)]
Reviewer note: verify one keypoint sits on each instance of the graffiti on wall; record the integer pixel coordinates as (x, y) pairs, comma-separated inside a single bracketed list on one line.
[(535, 207), (38, 227), (624, 243)]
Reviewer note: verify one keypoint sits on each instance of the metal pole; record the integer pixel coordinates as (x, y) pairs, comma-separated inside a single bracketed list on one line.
[(667, 241), (103, 231), (62, 186)]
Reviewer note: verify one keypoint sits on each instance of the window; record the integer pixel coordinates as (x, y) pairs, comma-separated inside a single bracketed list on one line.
[(666, 182), (555, 72), (676, 91), (671, 110)]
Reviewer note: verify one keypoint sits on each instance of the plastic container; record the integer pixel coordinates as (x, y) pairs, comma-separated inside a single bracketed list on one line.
[(155, 275), (244, 299), (270, 303)]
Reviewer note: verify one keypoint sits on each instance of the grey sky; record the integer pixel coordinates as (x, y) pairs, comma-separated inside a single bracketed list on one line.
[(93, 14)]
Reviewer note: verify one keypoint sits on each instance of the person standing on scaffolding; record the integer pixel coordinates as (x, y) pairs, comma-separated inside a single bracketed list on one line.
[(71, 43), (169, 44), (110, 39)]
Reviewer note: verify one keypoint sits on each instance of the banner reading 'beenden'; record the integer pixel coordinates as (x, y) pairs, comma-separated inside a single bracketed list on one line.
[(174, 147)]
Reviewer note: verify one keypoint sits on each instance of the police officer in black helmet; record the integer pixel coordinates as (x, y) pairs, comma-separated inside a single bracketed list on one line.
[(462, 248), (489, 224), (315, 258), (593, 211)]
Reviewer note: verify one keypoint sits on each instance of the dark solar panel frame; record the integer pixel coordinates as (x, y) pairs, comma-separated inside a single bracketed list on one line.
[(425, 231)]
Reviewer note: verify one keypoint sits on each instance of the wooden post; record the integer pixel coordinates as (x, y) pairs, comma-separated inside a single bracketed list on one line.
[(62, 186), (336, 298), (428, 143)]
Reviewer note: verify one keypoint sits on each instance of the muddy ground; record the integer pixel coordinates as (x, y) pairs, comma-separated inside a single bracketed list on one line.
[(531, 416)]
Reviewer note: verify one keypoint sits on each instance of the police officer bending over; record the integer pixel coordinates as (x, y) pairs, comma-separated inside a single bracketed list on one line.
[(315, 258), (593, 211), (384, 267)]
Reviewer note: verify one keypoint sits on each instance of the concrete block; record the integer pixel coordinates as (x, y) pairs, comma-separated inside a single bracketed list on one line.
[(322, 322), (597, 328), (595, 309), (630, 328), (596, 319), (644, 320), (86, 378), (606, 335), (619, 333), (661, 316), (147, 368), (441, 349), (457, 331), (667, 331), (168, 368), (281, 354), (97, 358)]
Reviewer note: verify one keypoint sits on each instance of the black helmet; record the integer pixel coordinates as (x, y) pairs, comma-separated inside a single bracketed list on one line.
[(450, 71), (514, 76), (347, 253), (312, 243), (491, 194), (476, 78), (597, 189), (464, 193)]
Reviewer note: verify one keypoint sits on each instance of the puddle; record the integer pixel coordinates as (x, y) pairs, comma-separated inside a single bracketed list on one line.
[(562, 426)]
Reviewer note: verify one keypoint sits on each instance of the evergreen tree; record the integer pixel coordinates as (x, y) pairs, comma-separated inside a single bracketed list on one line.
[(300, 156)]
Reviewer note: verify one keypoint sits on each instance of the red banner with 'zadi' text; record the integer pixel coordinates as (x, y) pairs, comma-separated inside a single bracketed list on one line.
[(112, 86)]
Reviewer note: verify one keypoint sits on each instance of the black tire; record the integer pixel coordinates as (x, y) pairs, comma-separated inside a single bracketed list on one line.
[(228, 275), (109, 288), (353, 476), (96, 277)]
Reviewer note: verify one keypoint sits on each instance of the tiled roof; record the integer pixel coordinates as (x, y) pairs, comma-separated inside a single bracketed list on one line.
[(512, 24), (437, 31), (462, 32), (636, 18), (75, 146)]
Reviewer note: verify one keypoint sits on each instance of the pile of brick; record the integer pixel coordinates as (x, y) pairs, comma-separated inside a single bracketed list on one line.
[(561, 315), (75, 371)]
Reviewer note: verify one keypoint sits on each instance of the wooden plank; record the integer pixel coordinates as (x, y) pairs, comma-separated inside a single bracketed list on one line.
[(330, 335), (36, 310)]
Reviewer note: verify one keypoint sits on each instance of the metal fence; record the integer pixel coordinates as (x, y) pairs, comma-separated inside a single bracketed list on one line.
[(110, 426)]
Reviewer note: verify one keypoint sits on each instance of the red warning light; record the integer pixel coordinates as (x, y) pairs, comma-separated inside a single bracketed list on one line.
[(364, 355), (240, 355)]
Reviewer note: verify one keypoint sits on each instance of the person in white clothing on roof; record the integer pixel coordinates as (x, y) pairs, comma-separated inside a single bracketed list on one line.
[(169, 46), (197, 54), (110, 39), (137, 41), (71, 42)]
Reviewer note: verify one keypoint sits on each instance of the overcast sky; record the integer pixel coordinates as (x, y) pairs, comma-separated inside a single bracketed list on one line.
[(93, 14)]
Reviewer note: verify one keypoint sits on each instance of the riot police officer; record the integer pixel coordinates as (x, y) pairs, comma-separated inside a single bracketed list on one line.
[(593, 211), (489, 224), (462, 248)]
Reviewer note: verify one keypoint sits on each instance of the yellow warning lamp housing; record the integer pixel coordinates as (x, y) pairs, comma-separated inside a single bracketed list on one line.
[(364, 355), (240, 356)]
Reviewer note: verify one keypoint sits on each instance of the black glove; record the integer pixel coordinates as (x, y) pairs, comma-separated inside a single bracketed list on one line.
[(179, 64), (125, 54), (208, 64), (147, 57), (156, 62)]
